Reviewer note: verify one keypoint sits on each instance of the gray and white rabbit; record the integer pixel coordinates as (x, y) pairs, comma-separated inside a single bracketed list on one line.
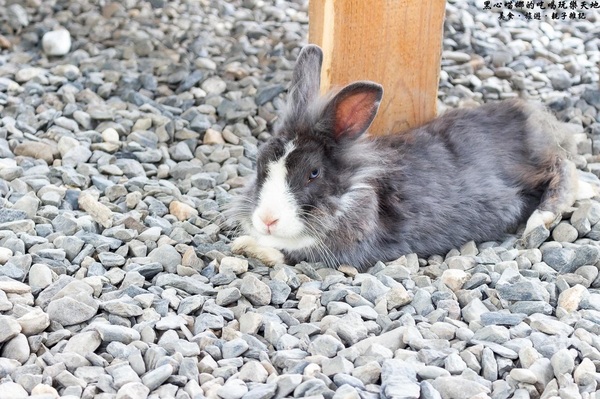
[(326, 191)]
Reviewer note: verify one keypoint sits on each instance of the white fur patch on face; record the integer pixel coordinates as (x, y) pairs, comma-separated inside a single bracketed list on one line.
[(276, 222)]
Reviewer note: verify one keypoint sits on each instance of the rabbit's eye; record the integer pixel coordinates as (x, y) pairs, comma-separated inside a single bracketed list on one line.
[(314, 174)]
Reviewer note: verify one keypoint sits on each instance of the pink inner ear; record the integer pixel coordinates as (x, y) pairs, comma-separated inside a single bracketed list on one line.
[(354, 114)]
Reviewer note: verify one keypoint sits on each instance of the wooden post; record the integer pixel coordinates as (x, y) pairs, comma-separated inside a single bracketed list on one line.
[(397, 43)]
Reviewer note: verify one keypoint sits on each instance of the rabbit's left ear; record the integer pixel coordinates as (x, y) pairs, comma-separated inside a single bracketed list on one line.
[(353, 109), (306, 79)]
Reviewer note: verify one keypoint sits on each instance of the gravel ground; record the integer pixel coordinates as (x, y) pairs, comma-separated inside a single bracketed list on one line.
[(124, 129)]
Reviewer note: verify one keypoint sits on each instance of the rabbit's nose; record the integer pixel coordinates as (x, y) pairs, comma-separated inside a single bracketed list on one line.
[(270, 222)]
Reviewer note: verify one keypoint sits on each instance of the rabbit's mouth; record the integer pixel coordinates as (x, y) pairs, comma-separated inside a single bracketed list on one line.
[(294, 243), (285, 233)]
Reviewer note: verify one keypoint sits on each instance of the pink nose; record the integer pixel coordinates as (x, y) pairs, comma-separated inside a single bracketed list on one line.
[(269, 222)]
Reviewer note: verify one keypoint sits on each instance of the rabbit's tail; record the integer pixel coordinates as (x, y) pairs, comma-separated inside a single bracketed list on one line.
[(548, 137), (576, 184), (551, 142)]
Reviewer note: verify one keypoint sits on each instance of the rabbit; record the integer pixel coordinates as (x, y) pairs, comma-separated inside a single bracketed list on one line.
[(326, 191)]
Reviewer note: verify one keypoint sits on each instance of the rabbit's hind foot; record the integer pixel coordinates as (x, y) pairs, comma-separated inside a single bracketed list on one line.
[(562, 189), (537, 228)]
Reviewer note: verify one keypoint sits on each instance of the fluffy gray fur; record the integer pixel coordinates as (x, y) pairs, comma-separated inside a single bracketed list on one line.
[(471, 174)]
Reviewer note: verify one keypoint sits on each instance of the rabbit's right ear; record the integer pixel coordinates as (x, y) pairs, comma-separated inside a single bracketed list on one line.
[(306, 79), (353, 109)]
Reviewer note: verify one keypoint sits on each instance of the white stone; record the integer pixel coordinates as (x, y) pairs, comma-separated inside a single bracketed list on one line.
[(585, 372), (214, 85), (13, 390), (230, 264), (9, 328), (454, 278), (56, 42), (34, 322), (40, 276), (133, 390), (98, 211), (5, 254), (26, 74), (110, 135), (213, 137), (253, 371), (233, 389), (17, 348), (142, 124), (570, 298), (66, 144), (562, 362), (45, 390), (523, 375)]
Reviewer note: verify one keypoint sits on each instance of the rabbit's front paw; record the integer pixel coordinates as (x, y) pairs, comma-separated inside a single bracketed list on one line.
[(246, 245)]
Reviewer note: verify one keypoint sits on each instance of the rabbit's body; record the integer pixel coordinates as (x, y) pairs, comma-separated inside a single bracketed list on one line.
[(443, 184), (325, 192)]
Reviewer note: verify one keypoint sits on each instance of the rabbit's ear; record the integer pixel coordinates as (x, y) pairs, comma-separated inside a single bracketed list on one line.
[(306, 79), (353, 109)]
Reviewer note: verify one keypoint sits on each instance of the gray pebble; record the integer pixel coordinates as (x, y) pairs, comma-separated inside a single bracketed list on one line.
[(257, 292), (228, 296), (564, 232), (325, 345), (109, 259), (167, 256), (561, 80), (458, 388), (133, 390), (397, 376), (16, 348), (68, 311), (9, 328), (562, 362)]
